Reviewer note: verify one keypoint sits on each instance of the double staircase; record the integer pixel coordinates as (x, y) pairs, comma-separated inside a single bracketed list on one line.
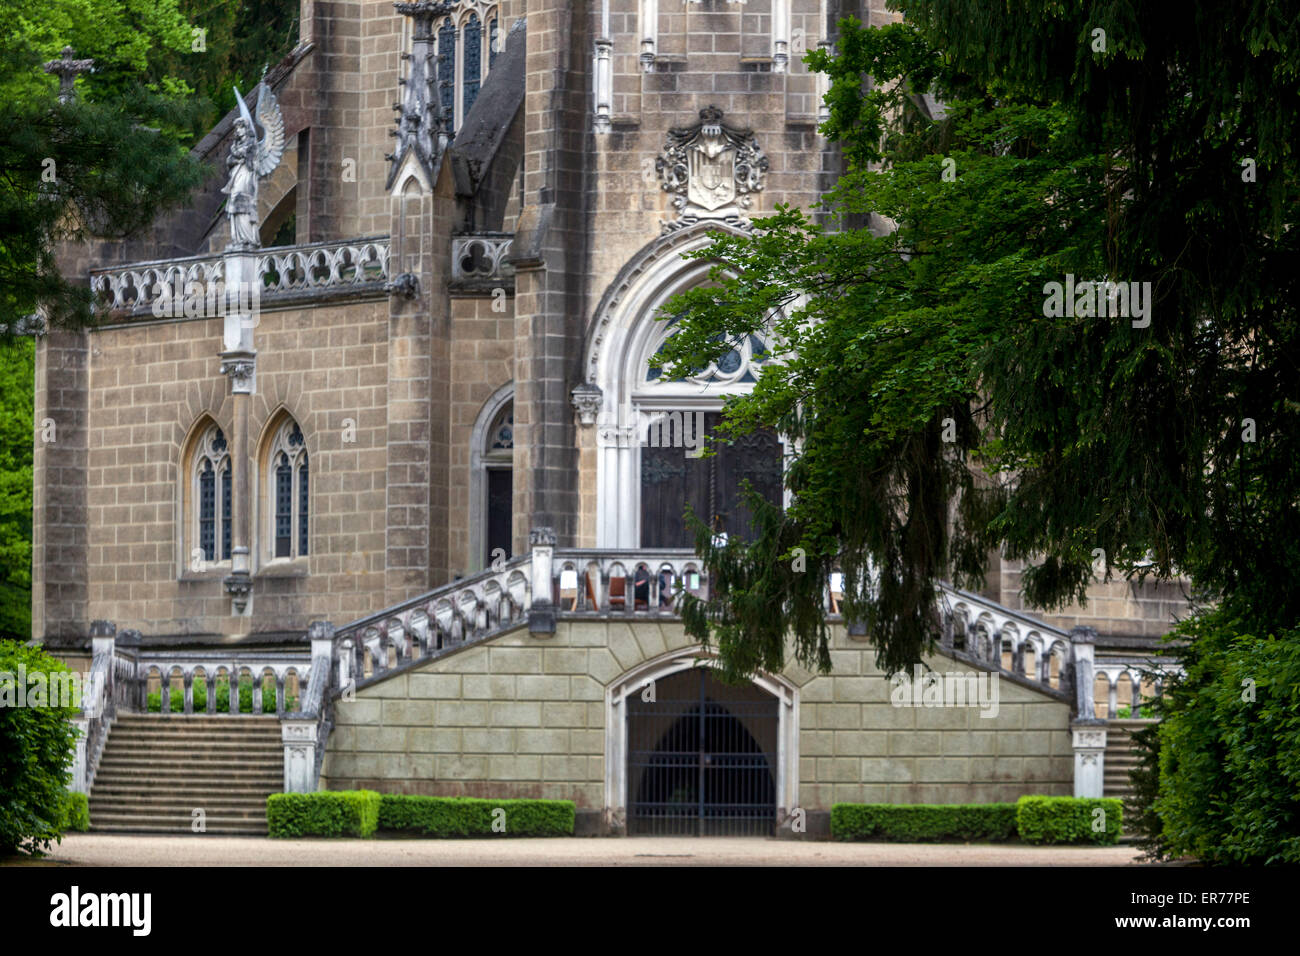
[(187, 773)]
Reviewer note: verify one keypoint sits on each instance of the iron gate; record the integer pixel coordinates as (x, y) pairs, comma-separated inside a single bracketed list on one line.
[(701, 757)]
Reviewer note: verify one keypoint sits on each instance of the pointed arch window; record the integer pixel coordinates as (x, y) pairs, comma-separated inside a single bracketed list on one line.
[(288, 484), (463, 63), (211, 495)]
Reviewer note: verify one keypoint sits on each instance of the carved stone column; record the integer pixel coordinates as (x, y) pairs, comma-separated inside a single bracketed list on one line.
[(241, 366)]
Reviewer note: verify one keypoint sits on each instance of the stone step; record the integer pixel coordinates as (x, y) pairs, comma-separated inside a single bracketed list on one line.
[(137, 748), (193, 761), (156, 769), (180, 788), (199, 733), (256, 780), (155, 823), (245, 810)]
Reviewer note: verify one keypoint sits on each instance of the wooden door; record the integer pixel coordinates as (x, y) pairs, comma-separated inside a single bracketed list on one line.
[(671, 479)]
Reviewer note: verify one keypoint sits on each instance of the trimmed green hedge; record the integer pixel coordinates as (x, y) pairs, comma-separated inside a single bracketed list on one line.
[(1033, 819), (913, 823), (75, 813), (470, 816), (328, 813), (1069, 819), (332, 813)]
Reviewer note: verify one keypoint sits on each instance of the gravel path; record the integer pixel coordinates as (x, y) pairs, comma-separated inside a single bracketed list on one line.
[(90, 849)]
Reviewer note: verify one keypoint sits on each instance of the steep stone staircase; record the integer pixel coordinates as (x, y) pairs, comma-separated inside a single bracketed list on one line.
[(1120, 757), (156, 770)]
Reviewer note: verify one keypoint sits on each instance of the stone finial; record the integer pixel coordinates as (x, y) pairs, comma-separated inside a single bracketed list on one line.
[(103, 629), (320, 630), (1083, 635), (67, 69), (587, 399)]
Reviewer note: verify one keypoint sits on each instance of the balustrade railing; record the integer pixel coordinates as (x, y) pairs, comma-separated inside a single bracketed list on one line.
[(446, 617), (184, 670), (195, 286), (482, 257)]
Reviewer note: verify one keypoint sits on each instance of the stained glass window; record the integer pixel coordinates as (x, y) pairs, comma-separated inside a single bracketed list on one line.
[(447, 65), (283, 506), (226, 511), (207, 511), (494, 42), (473, 39), (303, 499)]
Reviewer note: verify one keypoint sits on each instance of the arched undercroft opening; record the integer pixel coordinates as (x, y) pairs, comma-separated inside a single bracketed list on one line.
[(702, 757)]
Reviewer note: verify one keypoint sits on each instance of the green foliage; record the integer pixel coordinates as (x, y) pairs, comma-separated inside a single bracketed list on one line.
[(36, 750), (241, 40), (914, 352), (327, 813), (75, 812), (200, 691), (1143, 821), (103, 164), (17, 379), (359, 812), (1146, 712), (1230, 764), (468, 816), (917, 823), (1068, 819)]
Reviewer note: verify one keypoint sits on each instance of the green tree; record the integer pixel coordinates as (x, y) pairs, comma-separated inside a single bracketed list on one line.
[(36, 749), (102, 164), (16, 434), (940, 412)]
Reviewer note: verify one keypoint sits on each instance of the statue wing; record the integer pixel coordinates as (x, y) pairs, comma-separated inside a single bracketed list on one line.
[(271, 146)]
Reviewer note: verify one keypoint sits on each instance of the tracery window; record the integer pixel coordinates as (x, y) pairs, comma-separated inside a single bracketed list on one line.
[(288, 493), (211, 495), (469, 39)]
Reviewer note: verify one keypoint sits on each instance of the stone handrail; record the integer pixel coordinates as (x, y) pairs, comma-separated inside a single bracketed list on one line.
[(305, 732), (194, 286), (98, 707), (628, 581), (1138, 668), (162, 663), (458, 613)]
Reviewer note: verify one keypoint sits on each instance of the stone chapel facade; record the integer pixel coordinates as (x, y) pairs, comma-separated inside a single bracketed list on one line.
[(480, 210)]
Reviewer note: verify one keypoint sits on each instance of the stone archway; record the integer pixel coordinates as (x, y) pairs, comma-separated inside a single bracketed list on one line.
[(687, 754)]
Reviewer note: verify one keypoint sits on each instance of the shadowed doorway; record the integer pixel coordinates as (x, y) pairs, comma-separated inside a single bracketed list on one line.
[(701, 757)]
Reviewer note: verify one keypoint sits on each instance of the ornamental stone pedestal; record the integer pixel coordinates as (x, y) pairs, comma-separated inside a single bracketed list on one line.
[(541, 614)]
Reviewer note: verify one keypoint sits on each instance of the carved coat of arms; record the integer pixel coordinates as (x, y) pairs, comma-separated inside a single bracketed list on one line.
[(711, 169)]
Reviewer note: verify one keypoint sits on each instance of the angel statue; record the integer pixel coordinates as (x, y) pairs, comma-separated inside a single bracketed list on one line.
[(249, 161)]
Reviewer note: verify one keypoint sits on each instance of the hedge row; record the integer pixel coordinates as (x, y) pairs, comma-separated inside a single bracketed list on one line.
[(1069, 819), (359, 813), (914, 823), (328, 813), (1033, 819), (470, 816)]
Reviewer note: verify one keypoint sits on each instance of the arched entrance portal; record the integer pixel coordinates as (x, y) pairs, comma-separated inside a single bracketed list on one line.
[(702, 757)]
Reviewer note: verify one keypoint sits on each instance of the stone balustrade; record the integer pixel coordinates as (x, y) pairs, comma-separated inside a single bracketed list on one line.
[(481, 259), (441, 619), (195, 286)]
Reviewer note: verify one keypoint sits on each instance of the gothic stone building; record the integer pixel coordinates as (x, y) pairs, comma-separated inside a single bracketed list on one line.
[(413, 490)]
